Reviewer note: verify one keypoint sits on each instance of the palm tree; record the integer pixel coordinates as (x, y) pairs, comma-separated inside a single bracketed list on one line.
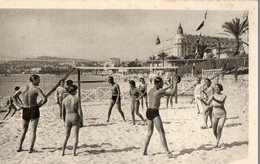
[(236, 28), (172, 58), (162, 56), (152, 58)]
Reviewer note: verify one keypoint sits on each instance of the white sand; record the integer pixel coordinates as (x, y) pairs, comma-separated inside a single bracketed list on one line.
[(120, 142)]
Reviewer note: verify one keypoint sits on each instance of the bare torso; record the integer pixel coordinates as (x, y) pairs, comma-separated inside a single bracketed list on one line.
[(115, 89), (155, 98), (60, 91), (71, 105), (29, 96)]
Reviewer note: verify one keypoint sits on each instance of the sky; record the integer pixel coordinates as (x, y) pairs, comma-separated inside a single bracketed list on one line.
[(99, 34)]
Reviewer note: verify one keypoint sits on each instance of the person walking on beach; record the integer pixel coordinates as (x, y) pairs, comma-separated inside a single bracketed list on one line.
[(143, 89), (135, 95), (10, 103), (198, 95), (30, 106), (115, 98), (72, 116), (152, 113), (217, 100), (59, 95)]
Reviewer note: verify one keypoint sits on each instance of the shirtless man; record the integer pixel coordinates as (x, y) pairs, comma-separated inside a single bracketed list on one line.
[(143, 89), (197, 95), (153, 118), (59, 95), (115, 98), (72, 116), (30, 107)]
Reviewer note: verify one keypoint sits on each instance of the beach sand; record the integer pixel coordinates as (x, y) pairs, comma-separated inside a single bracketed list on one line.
[(121, 142)]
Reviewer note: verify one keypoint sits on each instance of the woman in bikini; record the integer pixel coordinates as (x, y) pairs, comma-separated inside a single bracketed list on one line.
[(136, 95), (143, 89), (217, 100)]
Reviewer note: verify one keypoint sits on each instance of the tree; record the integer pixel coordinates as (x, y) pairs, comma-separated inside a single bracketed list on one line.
[(236, 28), (162, 56), (152, 58)]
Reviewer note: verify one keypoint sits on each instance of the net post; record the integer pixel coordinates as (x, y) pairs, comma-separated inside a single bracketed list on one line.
[(79, 93)]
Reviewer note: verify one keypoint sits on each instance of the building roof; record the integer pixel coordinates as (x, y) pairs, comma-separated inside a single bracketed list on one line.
[(180, 30)]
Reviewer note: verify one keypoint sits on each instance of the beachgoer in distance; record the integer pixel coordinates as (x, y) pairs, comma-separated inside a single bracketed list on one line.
[(169, 98), (30, 107), (198, 95), (143, 89), (135, 95), (10, 103), (115, 98), (152, 113), (59, 95), (217, 100), (72, 116)]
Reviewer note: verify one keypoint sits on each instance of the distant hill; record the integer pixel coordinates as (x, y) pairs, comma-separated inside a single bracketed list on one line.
[(56, 58)]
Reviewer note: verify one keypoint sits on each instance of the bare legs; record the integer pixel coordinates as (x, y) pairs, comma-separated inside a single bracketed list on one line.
[(9, 111), (146, 102), (67, 135), (159, 126), (218, 124), (135, 108), (169, 98), (112, 103), (25, 125), (207, 113), (34, 129)]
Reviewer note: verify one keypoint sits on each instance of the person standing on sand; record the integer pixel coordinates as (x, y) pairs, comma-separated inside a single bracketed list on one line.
[(135, 95), (30, 107), (59, 95), (217, 100), (68, 83), (72, 116), (115, 98), (152, 113), (169, 98), (143, 89), (10, 103), (198, 95), (208, 90)]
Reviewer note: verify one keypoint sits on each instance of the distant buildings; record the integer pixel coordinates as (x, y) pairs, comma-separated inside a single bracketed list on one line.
[(112, 62), (182, 45)]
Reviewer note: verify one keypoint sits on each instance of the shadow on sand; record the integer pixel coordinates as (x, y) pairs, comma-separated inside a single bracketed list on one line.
[(208, 147), (233, 125), (108, 151), (231, 118), (96, 125)]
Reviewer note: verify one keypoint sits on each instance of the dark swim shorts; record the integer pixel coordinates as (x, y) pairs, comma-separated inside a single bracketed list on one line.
[(115, 97), (144, 92), (31, 113), (152, 113)]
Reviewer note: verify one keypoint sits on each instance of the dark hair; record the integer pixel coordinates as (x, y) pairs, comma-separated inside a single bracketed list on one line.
[(208, 80), (157, 80), (110, 78), (220, 86), (62, 81), (69, 82), (72, 88), (34, 77), (16, 88), (141, 78), (132, 82)]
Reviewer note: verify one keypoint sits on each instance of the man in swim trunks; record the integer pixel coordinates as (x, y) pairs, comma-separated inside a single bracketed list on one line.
[(153, 118), (30, 107), (59, 95), (115, 98), (72, 116)]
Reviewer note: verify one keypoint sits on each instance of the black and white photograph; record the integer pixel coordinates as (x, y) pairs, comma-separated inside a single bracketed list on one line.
[(129, 83)]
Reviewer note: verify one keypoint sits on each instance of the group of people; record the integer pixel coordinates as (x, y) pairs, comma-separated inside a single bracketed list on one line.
[(209, 100)]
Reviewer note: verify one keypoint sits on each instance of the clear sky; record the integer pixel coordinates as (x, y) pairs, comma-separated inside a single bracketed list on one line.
[(98, 34)]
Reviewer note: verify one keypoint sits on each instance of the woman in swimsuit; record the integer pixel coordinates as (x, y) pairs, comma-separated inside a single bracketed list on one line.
[(217, 100), (136, 95), (72, 116), (143, 89)]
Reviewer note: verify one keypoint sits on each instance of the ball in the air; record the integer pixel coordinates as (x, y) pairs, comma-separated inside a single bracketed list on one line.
[(178, 78)]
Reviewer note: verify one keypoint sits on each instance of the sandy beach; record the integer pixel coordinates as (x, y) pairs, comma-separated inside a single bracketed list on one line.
[(121, 142)]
